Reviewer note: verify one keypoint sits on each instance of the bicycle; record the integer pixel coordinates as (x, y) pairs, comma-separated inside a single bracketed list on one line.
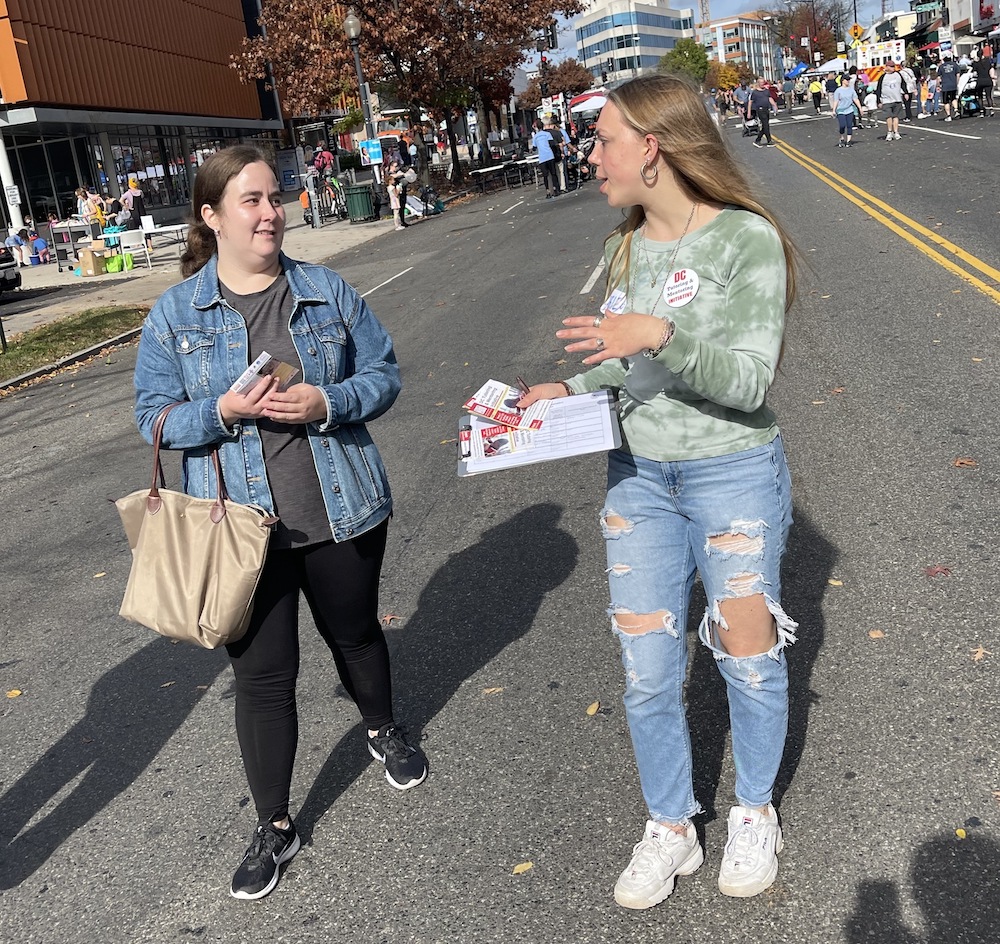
[(327, 193)]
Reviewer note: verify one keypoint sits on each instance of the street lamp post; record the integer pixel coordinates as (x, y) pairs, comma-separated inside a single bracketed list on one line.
[(352, 29)]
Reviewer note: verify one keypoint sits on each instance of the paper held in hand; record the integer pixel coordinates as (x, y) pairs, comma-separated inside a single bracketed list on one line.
[(497, 402), (587, 422), (265, 366)]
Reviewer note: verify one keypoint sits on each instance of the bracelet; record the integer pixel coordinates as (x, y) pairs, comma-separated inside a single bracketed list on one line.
[(567, 388), (665, 339)]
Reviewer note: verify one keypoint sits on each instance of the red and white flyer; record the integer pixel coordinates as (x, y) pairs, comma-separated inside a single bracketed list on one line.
[(498, 402)]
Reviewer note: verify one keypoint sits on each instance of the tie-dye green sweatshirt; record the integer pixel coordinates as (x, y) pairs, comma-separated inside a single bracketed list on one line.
[(703, 395)]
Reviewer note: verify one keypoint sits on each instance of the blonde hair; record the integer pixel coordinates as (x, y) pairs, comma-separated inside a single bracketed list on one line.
[(671, 109)]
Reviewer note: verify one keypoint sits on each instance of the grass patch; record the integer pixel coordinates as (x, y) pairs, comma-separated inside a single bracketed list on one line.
[(52, 342)]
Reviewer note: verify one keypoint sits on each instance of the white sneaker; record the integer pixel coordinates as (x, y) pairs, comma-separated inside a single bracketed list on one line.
[(657, 859), (899, 137), (750, 861)]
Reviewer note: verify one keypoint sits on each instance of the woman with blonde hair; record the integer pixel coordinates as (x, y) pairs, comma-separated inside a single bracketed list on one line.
[(700, 276)]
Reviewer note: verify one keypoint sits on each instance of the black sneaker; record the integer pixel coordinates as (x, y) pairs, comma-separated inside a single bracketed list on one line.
[(261, 866), (405, 765)]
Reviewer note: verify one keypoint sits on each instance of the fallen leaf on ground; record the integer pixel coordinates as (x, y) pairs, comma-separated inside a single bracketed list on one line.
[(824, 296), (444, 442), (593, 709), (439, 404), (523, 867), (937, 571), (839, 390), (167, 684), (979, 653), (834, 582), (964, 462), (560, 362), (977, 360), (960, 833), (876, 634), (818, 402), (14, 692), (388, 618), (103, 573), (493, 691)]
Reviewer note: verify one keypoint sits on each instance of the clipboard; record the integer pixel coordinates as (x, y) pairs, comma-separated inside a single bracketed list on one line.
[(574, 426)]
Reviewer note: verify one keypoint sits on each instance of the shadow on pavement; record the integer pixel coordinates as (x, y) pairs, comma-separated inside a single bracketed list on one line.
[(956, 885), (809, 561), (128, 719), (453, 638)]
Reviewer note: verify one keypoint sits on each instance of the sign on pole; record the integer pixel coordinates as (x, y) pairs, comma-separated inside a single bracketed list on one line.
[(856, 31), (13, 195)]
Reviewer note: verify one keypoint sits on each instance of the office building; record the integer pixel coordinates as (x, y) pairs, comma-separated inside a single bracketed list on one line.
[(619, 39), (99, 92)]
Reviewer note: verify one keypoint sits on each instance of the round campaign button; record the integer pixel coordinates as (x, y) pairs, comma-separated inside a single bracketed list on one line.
[(681, 287)]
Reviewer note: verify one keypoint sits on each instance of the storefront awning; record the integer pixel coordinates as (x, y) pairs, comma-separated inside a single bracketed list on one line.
[(929, 46)]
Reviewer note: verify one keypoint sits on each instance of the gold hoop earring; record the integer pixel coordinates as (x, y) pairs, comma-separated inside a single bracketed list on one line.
[(642, 172)]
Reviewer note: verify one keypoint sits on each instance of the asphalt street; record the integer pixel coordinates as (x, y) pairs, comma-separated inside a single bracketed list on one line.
[(123, 806)]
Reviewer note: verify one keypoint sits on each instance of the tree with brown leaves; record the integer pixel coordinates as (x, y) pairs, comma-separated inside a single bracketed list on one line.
[(433, 56)]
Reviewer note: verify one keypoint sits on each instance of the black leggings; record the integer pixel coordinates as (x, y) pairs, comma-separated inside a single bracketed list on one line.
[(340, 582), (549, 173)]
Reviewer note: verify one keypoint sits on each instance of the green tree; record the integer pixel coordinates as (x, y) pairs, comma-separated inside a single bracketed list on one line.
[(688, 57)]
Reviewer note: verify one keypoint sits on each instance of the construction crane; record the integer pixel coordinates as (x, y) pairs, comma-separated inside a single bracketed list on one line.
[(706, 14)]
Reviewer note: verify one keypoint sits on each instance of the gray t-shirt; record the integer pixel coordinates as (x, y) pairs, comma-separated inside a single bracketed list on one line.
[(291, 471)]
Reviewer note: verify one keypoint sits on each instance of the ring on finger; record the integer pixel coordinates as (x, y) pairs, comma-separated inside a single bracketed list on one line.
[(600, 344), (598, 320)]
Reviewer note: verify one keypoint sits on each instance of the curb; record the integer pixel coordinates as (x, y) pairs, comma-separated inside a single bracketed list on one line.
[(70, 359)]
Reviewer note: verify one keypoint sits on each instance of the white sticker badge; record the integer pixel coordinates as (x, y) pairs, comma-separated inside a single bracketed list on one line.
[(615, 303), (681, 288)]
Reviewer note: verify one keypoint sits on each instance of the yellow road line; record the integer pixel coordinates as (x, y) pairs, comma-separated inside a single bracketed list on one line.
[(868, 203)]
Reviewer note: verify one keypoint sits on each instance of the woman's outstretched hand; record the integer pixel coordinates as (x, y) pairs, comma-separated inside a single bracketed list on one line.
[(611, 335)]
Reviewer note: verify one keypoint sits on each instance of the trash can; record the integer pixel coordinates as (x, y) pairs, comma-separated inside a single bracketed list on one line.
[(360, 202)]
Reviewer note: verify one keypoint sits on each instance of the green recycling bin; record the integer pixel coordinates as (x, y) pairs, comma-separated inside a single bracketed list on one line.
[(360, 202)]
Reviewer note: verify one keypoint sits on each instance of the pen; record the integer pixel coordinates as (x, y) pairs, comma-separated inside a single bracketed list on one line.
[(522, 386)]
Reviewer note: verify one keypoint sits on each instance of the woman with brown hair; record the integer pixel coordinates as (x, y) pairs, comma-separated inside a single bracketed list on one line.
[(699, 278), (302, 453)]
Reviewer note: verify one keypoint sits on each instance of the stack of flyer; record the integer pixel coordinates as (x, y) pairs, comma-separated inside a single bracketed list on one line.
[(497, 435)]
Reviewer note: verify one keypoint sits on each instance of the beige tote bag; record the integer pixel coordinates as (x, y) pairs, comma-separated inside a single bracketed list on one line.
[(196, 562)]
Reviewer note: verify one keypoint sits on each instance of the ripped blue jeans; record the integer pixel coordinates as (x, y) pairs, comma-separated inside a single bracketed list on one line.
[(727, 519)]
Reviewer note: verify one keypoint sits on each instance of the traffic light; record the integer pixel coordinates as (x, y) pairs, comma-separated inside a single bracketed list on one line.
[(604, 76), (544, 64), (543, 87), (553, 35)]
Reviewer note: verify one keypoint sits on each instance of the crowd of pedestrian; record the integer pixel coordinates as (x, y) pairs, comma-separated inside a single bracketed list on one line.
[(948, 88)]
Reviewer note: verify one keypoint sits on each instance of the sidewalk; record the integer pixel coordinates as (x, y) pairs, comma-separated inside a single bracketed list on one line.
[(47, 295)]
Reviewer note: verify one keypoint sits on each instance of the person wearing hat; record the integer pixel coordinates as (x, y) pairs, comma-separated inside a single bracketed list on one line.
[(889, 93), (134, 201), (948, 83)]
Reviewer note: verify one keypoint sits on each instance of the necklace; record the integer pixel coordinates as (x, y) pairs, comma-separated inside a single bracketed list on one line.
[(655, 276)]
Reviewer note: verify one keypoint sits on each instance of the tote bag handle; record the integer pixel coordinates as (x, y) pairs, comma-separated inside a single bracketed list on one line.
[(153, 502)]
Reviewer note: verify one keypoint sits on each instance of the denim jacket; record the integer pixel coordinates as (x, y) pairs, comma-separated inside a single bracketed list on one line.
[(194, 346)]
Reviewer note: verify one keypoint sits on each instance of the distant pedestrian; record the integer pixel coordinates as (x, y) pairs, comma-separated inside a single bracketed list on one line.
[(845, 100), (816, 90), (948, 84), (17, 246), (830, 86), (889, 93), (541, 141), (985, 79), (911, 93), (760, 106)]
